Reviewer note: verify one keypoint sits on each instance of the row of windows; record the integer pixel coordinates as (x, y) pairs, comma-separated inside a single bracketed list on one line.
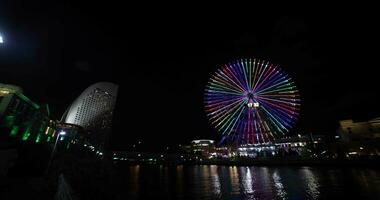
[(92, 106)]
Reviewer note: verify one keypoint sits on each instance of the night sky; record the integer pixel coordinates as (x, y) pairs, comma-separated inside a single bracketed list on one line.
[(162, 61)]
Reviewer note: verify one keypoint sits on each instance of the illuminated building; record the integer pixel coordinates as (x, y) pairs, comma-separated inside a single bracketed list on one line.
[(22, 118), (361, 138), (93, 110), (202, 147)]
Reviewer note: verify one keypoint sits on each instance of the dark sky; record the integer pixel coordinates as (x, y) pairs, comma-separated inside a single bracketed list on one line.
[(162, 60)]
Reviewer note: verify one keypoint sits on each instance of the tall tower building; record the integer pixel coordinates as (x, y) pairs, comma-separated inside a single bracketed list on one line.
[(93, 110)]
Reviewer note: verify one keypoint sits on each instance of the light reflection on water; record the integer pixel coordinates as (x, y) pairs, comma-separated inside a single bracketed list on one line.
[(231, 182), (278, 185), (311, 183)]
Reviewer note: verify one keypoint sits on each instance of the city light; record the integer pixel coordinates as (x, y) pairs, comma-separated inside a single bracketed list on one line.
[(1, 39), (62, 133)]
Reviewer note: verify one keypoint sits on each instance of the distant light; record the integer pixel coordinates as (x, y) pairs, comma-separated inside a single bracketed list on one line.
[(4, 92), (1, 39), (361, 148), (62, 133)]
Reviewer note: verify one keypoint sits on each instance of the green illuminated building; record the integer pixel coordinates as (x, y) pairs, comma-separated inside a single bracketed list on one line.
[(22, 118)]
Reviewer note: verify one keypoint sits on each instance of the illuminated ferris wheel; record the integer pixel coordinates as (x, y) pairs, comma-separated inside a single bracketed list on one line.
[(251, 101)]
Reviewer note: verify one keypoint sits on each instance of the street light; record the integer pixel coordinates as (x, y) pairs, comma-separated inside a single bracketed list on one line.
[(53, 151), (1, 39)]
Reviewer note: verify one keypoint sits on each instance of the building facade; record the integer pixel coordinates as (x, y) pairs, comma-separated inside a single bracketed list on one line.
[(93, 110), (22, 118), (361, 138)]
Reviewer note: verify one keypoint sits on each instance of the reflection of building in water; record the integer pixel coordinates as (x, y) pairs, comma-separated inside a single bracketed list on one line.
[(361, 138), (312, 185), (215, 180), (247, 180), (280, 191), (234, 177)]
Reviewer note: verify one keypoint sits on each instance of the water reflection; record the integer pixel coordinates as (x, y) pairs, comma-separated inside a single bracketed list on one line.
[(280, 191), (224, 182), (180, 181), (134, 180), (215, 181), (312, 185), (234, 179), (246, 180)]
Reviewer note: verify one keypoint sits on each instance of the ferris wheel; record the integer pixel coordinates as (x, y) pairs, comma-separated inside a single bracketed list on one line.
[(251, 101)]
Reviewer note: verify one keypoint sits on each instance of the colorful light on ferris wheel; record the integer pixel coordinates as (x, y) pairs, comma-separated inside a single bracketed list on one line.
[(251, 101)]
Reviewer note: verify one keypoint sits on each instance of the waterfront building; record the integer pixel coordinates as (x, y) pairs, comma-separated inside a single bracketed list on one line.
[(22, 118), (202, 147), (360, 138), (93, 111)]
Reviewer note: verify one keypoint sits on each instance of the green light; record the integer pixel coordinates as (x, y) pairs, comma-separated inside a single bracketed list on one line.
[(14, 131), (51, 131), (38, 139), (48, 110), (23, 97), (25, 136), (48, 139), (9, 120)]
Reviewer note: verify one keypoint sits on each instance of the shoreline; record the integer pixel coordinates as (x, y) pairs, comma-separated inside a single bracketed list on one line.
[(271, 162)]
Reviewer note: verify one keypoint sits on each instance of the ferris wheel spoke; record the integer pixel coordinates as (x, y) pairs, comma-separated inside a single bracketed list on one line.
[(273, 87), (267, 74), (221, 112), (260, 74), (234, 120), (228, 80), (283, 117), (229, 117), (223, 116), (269, 78), (236, 76)]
